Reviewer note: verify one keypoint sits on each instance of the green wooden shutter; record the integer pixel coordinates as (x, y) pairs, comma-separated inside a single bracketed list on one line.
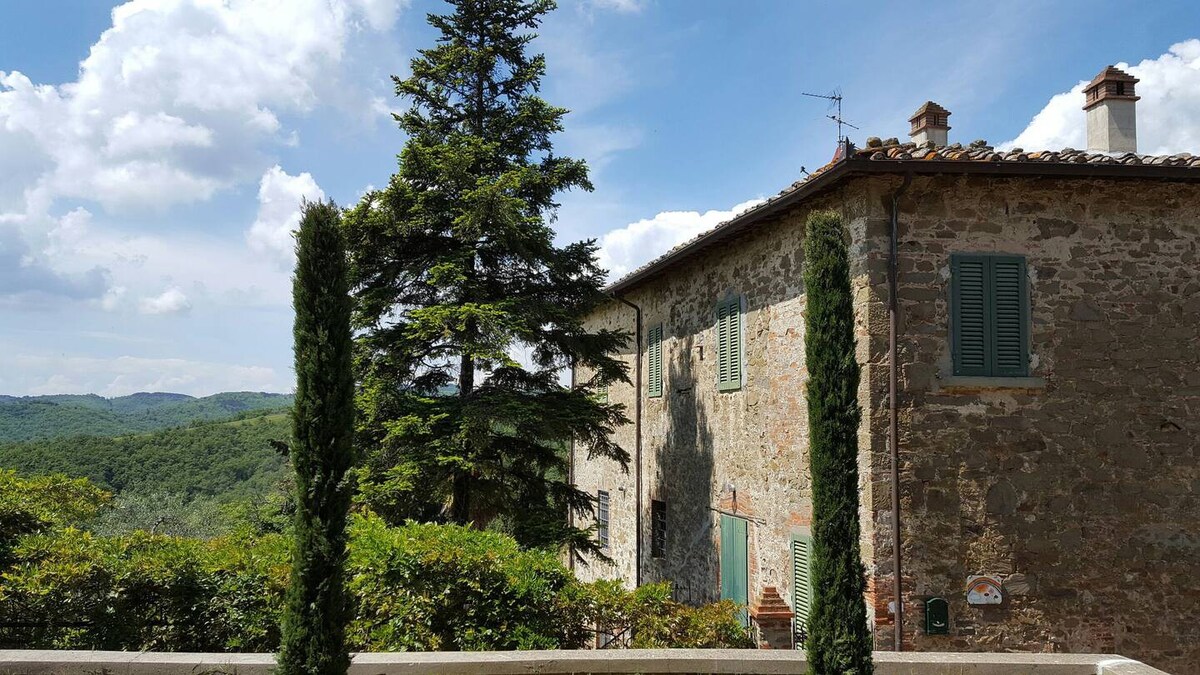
[(729, 344), (990, 307), (802, 591), (735, 579), (969, 299), (1011, 316), (722, 343), (655, 360)]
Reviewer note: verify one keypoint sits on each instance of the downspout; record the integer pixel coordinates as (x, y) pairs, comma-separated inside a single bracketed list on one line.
[(571, 482), (637, 443), (893, 425)]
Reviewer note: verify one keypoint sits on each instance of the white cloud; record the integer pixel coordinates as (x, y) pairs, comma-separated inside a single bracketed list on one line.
[(178, 99), (626, 248), (171, 301), (1168, 112), (623, 6), (27, 278), (113, 297), (598, 143), (279, 198), (133, 134), (141, 265), (175, 102), (129, 374)]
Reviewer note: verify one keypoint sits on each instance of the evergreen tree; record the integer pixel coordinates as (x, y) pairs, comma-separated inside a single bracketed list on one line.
[(322, 450), (455, 269), (838, 639)]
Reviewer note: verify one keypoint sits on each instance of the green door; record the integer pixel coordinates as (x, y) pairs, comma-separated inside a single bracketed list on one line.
[(734, 577)]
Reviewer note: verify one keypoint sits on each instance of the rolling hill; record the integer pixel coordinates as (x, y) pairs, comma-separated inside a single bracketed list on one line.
[(65, 415), (227, 459)]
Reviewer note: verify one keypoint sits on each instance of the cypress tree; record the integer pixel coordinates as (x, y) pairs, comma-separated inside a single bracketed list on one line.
[(317, 610), (839, 642), (456, 270)]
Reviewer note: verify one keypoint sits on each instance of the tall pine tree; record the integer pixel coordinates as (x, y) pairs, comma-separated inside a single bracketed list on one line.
[(456, 270), (838, 639), (322, 449)]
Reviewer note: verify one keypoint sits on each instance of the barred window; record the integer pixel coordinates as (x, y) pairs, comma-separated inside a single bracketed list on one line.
[(658, 528), (602, 518)]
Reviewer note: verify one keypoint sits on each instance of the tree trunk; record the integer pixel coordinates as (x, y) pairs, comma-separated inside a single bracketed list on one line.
[(460, 504)]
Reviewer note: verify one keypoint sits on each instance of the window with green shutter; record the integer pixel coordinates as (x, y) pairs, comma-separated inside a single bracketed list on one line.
[(654, 360), (729, 344), (990, 315), (802, 592)]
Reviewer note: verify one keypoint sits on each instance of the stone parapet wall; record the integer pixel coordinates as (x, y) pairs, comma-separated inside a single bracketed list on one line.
[(700, 661)]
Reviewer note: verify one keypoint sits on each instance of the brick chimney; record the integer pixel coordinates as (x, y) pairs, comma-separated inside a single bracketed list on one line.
[(931, 122), (1111, 112)]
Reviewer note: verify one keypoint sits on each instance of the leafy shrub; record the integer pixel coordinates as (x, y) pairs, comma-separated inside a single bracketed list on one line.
[(445, 587), (143, 591), (415, 587), (30, 505), (653, 619)]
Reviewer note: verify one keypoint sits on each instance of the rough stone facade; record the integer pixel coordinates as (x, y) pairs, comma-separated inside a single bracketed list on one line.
[(1079, 486), (1082, 491)]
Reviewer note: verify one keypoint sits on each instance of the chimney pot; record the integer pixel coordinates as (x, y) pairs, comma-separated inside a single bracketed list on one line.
[(931, 123), (1111, 107)]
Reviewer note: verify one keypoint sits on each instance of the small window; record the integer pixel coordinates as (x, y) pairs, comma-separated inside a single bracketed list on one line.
[(602, 393), (602, 518), (989, 315), (658, 528), (654, 359), (1120, 89), (729, 344)]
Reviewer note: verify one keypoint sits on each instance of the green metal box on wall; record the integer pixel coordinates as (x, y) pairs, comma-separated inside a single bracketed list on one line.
[(937, 616)]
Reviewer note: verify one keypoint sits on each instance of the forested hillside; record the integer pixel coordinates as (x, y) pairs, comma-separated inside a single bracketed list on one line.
[(62, 416), (223, 459)]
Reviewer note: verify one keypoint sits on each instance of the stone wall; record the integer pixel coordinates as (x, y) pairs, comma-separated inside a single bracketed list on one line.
[(698, 440), (561, 662), (1081, 489)]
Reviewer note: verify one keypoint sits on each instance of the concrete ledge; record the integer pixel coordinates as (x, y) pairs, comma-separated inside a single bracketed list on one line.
[(747, 662)]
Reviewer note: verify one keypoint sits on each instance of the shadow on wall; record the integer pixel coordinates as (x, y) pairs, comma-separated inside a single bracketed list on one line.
[(683, 479)]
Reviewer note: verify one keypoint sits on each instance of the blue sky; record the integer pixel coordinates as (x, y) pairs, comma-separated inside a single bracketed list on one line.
[(152, 152)]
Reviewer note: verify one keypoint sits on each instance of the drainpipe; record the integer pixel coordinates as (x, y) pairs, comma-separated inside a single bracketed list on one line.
[(571, 482), (637, 442), (893, 426)]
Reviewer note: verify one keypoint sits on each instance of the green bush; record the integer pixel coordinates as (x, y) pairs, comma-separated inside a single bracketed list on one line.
[(30, 505), (445, 587), (143, 591), (414, 587), (652, 619)]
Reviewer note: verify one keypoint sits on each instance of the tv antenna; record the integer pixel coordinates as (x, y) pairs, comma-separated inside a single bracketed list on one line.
[(835, 101)]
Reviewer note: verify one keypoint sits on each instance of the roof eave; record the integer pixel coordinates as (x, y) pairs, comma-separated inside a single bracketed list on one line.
[(769, 208), (853, 165)]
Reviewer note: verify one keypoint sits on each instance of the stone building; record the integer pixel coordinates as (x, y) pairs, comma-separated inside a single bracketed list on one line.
[(1046, 403)]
